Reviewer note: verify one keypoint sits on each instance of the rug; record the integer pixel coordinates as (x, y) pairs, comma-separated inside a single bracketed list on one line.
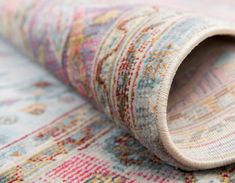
[(146, 93)]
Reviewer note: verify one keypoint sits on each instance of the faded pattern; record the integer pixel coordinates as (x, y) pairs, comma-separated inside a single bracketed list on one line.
[(55, 136)]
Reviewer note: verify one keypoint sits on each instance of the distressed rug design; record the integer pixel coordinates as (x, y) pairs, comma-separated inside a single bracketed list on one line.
[(95, 91)]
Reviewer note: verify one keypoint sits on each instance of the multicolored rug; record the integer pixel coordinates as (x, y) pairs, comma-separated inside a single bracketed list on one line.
[(146, 92)]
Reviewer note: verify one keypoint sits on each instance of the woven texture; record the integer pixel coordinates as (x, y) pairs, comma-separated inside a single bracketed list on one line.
[(163, 76)]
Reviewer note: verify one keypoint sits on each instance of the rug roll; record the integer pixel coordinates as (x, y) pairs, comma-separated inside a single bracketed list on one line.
[(124, 60)]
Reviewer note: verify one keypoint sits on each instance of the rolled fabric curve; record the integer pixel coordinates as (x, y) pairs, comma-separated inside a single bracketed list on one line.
[(124, 59)]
